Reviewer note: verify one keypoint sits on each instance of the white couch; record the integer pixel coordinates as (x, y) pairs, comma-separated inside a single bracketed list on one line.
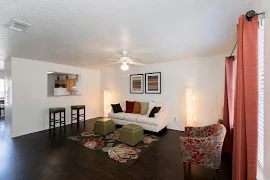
[(154, 124)]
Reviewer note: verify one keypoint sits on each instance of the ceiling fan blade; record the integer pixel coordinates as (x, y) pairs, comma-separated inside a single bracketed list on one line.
[(112, 59), (136, 63), (136, 59), (112, 63)]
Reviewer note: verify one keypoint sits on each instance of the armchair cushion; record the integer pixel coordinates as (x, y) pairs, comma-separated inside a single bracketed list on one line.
[(200, 131)]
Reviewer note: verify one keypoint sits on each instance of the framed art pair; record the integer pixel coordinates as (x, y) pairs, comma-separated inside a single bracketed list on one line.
[(152, 83)]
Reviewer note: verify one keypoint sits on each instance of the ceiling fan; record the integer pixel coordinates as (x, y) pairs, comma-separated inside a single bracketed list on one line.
[(125, 60)]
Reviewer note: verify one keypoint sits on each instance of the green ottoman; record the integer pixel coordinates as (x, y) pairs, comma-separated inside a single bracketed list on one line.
[(103, 126), (131, 134)]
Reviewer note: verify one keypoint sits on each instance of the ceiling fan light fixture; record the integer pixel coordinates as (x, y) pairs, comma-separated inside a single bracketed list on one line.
[(124, 66)]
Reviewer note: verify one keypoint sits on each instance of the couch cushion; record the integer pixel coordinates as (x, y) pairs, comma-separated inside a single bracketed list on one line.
[(117, 115), (151, 105), (130, 117), (123, 105), (144, 119)]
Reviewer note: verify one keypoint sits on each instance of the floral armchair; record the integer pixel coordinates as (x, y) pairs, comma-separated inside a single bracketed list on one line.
[(203, 146)]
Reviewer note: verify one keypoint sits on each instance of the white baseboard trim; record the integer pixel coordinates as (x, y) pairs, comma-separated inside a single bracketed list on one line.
[(13, 135), (260, 174), (174, 128)]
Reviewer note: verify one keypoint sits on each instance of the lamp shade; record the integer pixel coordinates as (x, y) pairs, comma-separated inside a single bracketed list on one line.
[(190, 107)]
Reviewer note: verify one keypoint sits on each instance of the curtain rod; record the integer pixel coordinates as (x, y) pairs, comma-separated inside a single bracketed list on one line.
[(233, 49), (249, 15)]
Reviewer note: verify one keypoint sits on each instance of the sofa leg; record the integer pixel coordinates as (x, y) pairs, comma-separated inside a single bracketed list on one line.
[(216, 174), (185, 170)]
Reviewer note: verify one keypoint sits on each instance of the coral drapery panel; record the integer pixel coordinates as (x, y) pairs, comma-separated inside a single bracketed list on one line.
[(228, 104), (245, 142)]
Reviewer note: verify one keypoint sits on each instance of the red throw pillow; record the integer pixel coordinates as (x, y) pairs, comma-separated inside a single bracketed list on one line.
[(129, 106)]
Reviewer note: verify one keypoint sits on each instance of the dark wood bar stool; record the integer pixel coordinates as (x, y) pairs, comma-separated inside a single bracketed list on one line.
[(61, 120), (77, 115), (2, 110)]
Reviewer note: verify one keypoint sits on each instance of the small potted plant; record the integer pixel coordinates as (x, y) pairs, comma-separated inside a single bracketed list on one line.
[(220, 118), (220, 109)]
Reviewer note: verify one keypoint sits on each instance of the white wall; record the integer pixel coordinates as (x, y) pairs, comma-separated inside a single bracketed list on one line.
[(205, 75), (2, 75), (8, 97), (264, 6), (30, 104)]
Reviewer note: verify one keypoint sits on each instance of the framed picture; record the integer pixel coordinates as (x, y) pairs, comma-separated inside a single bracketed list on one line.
[(136, 83), (153, 83)]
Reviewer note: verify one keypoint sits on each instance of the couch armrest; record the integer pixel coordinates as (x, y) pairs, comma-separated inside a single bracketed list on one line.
[(109, 114), (162, 117)]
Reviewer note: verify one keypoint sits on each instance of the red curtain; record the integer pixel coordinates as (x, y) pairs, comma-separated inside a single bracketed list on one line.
[(228, 104), (245, 142)]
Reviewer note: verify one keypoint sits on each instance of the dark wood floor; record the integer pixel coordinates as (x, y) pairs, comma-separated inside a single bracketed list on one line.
[(43, 156)]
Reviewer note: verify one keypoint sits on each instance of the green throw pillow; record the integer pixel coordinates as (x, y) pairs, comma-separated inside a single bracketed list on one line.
[(144, 108)]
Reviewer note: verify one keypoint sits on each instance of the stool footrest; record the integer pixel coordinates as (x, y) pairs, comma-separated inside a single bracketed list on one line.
[(76, 114), (79, 120), (52, 119)]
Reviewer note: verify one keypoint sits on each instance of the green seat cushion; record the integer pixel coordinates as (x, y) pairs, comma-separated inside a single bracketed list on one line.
[(78, 106), (103, 121), (131, 134), (57, 109), (144, 108), (131, 127), (103, 127)]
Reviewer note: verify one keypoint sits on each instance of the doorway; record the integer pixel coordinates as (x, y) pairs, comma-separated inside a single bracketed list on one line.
[(2, 105)]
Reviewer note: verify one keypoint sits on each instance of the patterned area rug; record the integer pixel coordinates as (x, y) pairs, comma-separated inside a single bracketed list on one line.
[(111, 147)]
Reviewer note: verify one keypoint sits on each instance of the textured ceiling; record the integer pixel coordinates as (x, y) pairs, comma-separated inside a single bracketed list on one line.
[(85, 33)]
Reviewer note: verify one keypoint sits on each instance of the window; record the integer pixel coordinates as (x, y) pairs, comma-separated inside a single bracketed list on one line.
[(261, 93), (2, 88)]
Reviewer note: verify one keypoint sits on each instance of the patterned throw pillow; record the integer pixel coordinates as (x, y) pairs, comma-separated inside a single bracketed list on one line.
[(116, 108), (154, 111), (144, 108), (137, 108), (129, 106)]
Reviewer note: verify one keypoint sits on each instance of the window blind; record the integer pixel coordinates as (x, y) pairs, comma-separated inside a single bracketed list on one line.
[(261, 93)]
